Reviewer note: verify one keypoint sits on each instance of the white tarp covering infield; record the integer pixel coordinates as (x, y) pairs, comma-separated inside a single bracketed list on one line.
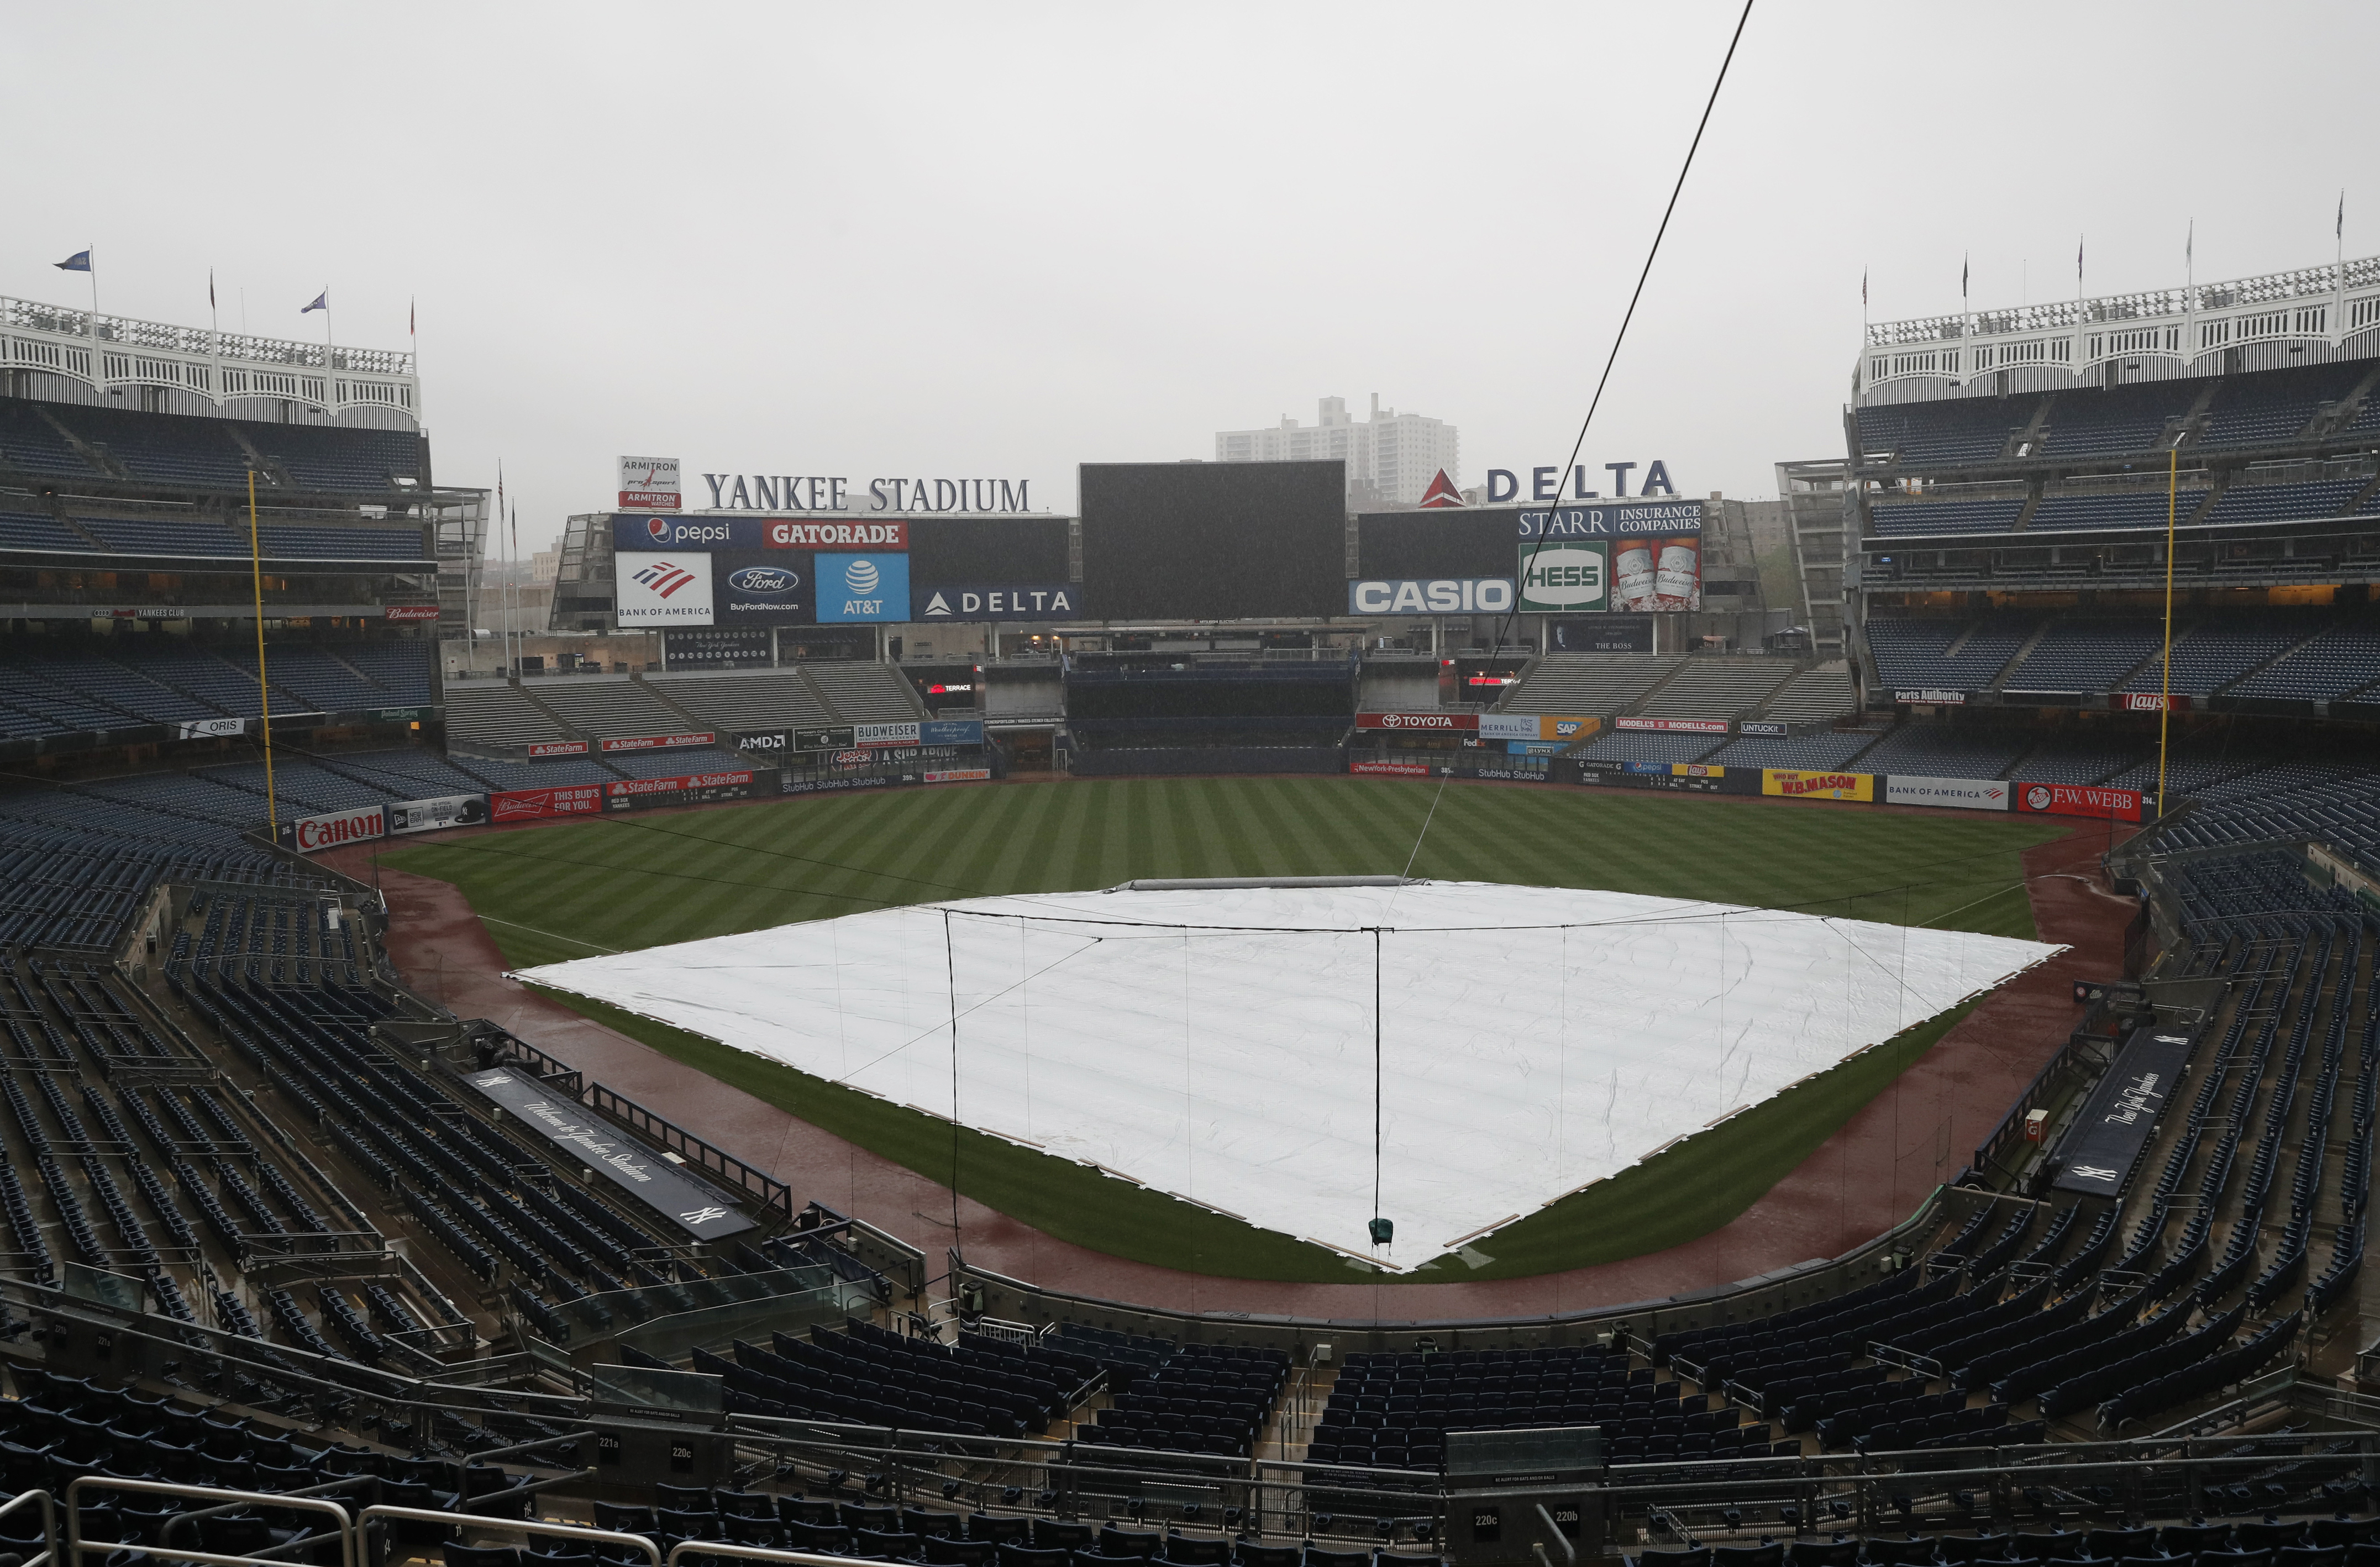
[(1219, 1044)]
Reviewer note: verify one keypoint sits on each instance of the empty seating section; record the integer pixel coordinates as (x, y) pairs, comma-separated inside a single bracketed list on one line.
[(2188, 769), (1815, 695), (1899, 518), (193, 670), (609, 705), (155, 536), (160, 448), (2337, 662), (1588, 683), (317, 679), (36, 530), (1952, 654), (2337, 806), (866, 1374), (560, 773), (406, 775), (320, 457), (1717, 687), (1169, 1398), (2121, 419), (1809, 751), (28, 441), (1966, 430), (47, 664), (1654, 746), (740, 702), (1944, 751), (2220, 650), (493, 713), (2280, 503), (2275, 406), (2085, 655), (2075, 762), (866, 693), (676, 764), (75, 870), (2126, 508), (345, 543), (405, 671)]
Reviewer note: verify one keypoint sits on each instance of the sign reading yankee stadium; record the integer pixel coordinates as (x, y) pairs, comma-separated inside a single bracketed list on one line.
[(819, 492)]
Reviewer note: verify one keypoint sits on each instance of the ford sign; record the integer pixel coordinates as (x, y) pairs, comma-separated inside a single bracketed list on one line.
[(764, 580)]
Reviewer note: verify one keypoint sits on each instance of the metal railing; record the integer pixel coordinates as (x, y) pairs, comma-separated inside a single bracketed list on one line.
[(342, 1530)]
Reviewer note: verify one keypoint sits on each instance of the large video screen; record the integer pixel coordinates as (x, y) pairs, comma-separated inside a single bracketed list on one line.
[(1214, 540)]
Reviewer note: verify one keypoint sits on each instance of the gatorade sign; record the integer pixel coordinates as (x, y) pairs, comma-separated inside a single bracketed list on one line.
[(1571, 576)]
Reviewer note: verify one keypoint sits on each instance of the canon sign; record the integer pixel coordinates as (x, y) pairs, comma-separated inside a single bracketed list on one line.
[(310, 833)]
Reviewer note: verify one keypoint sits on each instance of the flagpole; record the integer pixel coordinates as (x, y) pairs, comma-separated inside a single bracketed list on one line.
[(98, 364), (2164, 701), (263, 694)]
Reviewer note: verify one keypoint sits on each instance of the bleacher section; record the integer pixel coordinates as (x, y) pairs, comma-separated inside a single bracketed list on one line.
[(2277, 405), (867, 693), (608, 706), (1815, 695), (161, 448), (1918, 653), (2122, 419), (2075, 762), (1899, 518), (182, 536), (2275, 503), (1811, 751), (2085, 655), (495, 712), (29, 442), (1940, 752), (1589, 683), (1653, 745), (69, 685), (1967, 430), (2221, 648), (34, 530), (2336, 662), (318, 458), (2130, 508), (741, 702), (1717, 687), (674, 764), (185, 450)]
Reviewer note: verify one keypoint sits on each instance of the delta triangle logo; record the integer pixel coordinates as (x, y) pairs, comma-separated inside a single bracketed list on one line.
[(1441, 494), (937, 605)]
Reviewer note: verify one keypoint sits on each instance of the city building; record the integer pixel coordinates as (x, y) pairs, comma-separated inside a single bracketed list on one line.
[(1391, 456)]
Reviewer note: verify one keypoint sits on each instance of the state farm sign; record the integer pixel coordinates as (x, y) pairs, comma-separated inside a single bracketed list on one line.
[(1447, 723)]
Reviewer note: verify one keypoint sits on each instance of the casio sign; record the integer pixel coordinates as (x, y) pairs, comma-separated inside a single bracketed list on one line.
[(768, 580)]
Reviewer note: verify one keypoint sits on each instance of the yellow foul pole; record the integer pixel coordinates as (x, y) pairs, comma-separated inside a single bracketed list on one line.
[(264, 696), (2164, 701)]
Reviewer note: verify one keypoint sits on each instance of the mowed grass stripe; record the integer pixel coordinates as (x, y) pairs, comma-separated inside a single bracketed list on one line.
[(623, 884)]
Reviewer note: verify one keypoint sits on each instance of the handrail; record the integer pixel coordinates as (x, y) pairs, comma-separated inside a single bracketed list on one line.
[(514, 1525), (49, 1523), (762, 1553), (284, 1502)]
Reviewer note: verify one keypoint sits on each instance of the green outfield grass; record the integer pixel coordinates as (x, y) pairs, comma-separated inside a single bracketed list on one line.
[(620, 883)]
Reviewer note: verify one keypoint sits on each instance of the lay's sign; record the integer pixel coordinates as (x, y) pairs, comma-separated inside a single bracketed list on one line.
[(1817, 785)]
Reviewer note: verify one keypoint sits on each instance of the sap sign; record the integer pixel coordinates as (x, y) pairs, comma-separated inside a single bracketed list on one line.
[(1546, 483), (872, 587), (1445, 595)]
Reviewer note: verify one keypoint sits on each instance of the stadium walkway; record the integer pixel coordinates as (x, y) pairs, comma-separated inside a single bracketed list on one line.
[(1871, 1173)]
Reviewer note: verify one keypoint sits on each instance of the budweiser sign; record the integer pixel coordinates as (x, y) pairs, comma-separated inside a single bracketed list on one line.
[(1448, 723), (525, 804), (557, 748), (660, 741), (410, 611)]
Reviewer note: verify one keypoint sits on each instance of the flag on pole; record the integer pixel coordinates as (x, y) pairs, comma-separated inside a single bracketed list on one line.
[(2190, 245), (1862, 288), (2078, 257), (322, 302), (2338, 230), (211, 288), (78, 261), (1963, 277)]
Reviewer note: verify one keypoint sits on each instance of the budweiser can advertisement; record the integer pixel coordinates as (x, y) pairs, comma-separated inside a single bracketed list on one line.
[(1633, 581), (1678, 576)]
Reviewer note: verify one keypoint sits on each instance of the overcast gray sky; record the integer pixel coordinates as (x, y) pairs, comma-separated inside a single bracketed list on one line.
[(998, 240)]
